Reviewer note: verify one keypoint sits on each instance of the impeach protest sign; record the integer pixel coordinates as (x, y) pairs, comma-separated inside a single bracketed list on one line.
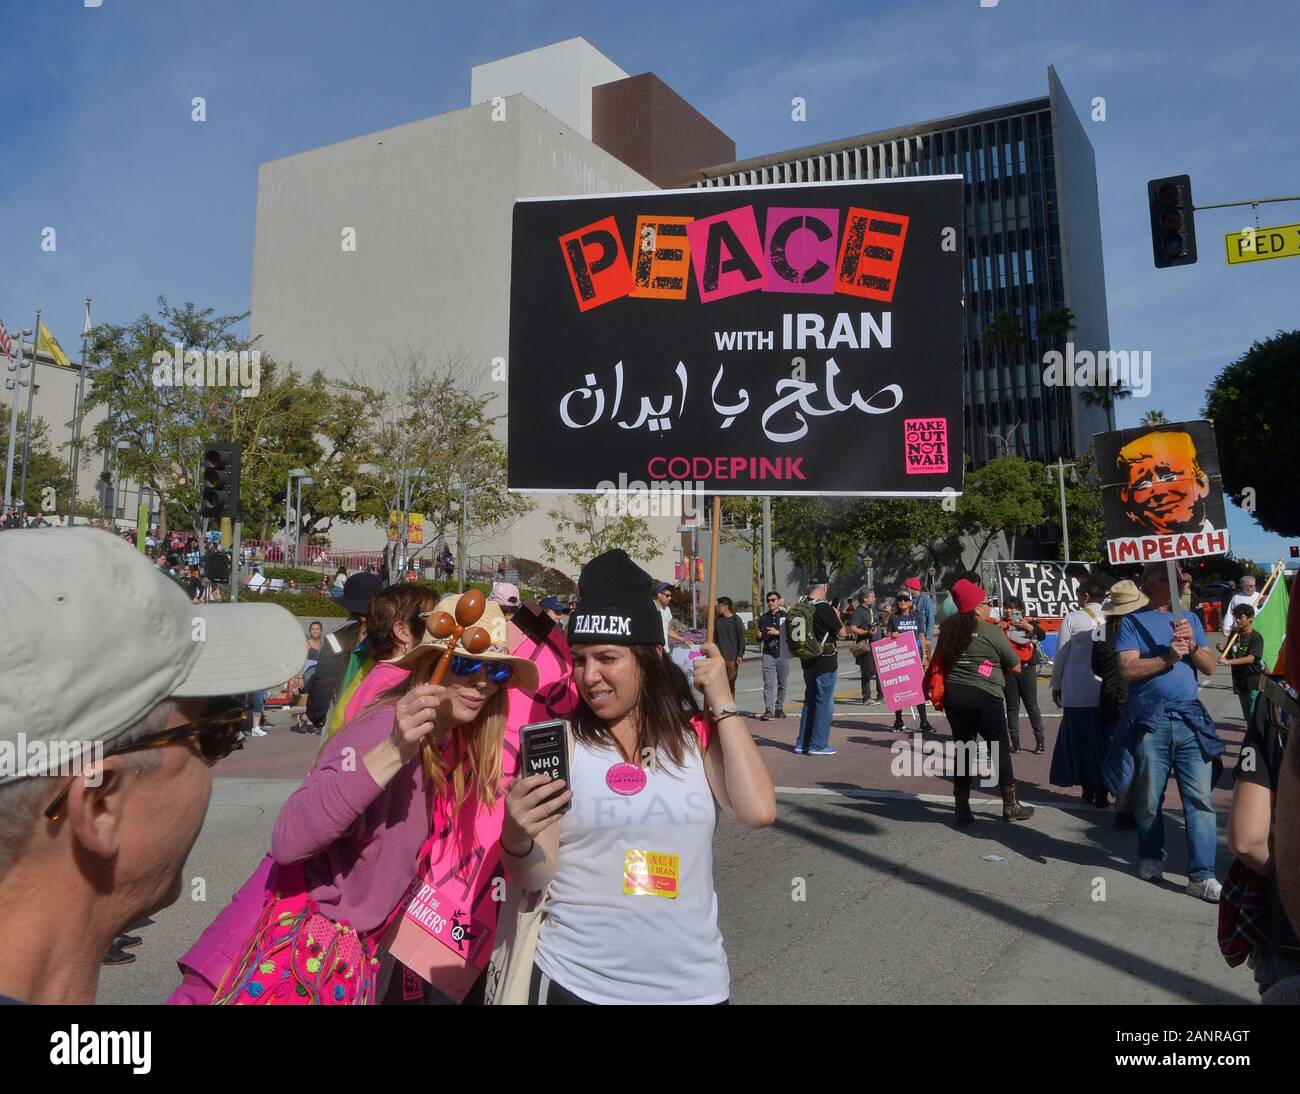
[(799, 339), (899, 668), (1047, 590), (1161, 492)]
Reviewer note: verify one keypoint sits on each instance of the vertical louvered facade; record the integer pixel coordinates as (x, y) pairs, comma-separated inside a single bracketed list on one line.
[(1027, 256)]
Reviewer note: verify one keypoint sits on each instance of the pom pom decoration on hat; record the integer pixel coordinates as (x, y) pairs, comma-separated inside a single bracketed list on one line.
[(449, 630)]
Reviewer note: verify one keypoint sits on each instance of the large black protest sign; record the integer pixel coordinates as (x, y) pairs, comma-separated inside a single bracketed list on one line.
[(798, 339), (1046, 590), (1161, 492)]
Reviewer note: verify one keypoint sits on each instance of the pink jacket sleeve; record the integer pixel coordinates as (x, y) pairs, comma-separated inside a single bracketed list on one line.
[(337, 791)]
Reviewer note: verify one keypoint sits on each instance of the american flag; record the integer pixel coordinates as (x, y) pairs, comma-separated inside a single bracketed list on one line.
[(6, 346)]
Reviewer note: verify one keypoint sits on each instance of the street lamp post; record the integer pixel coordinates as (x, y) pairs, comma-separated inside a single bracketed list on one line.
[(1061, 465), (16, 384), (119, 447), (303, 480), (694, 531), (464, 531), (867, 560), (296, 473)]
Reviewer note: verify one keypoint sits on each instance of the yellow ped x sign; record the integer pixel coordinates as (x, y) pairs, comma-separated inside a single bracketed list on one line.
[(1261, 244)]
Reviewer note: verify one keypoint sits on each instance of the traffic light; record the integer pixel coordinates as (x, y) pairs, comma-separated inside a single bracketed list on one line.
[(1295, 551), (1173, 228), (220, 481)]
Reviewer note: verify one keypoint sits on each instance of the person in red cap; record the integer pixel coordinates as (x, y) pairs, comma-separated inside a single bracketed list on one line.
[(923, 605), (976, 656)]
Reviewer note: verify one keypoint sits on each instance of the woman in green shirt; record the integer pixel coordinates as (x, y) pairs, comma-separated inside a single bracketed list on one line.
[(976, 657)]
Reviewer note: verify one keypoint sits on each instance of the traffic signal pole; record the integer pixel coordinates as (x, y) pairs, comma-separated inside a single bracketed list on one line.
[(235, 541)]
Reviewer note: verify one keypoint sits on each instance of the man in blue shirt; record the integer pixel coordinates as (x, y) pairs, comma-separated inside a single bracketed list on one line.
[(1171, 731)]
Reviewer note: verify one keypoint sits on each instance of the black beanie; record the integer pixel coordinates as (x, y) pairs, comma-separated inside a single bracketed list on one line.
[(616, 604)]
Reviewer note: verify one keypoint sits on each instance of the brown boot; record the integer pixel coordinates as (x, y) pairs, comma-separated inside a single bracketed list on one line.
[(1011, 807), (962, 796)]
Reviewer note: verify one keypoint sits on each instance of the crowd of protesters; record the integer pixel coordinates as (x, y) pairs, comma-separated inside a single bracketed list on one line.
[(411, 755)]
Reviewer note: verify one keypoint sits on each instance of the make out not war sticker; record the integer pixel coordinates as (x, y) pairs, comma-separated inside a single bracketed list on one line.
[(925, 445), (651, 873)]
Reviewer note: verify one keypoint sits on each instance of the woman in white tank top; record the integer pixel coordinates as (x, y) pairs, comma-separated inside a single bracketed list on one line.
[(631, 913)]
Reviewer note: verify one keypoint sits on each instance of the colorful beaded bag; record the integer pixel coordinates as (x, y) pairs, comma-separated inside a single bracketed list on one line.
[(295, 956)]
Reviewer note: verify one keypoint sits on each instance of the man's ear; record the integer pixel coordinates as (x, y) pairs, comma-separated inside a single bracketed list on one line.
[(96, 803)]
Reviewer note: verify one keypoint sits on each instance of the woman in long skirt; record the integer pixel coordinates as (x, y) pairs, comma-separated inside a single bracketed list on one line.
[(1083, 739)]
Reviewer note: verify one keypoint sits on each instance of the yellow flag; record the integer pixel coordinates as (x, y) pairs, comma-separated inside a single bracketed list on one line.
[(47, 342)]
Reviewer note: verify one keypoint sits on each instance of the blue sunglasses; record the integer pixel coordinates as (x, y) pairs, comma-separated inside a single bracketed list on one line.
[(497, 671)]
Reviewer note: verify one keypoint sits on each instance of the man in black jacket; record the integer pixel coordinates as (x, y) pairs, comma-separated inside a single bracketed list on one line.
[(776, 657), (729, 634), (338, 646)]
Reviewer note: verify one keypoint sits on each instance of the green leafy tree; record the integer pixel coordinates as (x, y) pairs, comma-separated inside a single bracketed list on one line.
[(743, 525), (1255, 405), (166, 425), (424, 418), (1082, 508), (1005, 495), (45, 471), (592, 526), (834, 534)]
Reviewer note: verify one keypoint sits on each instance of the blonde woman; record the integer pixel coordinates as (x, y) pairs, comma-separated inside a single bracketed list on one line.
[(349, 838)]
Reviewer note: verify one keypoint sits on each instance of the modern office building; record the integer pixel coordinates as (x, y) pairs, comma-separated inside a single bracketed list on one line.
[(1033, 248), (431, 204)]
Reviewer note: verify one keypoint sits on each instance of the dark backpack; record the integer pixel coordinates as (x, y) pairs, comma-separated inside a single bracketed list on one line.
[(799, 625)]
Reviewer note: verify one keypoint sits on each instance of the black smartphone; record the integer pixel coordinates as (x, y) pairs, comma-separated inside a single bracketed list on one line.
[(543, 750), (534, 622)]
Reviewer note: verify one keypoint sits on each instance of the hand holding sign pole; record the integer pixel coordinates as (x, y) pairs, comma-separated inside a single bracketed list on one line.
[(450, 631)]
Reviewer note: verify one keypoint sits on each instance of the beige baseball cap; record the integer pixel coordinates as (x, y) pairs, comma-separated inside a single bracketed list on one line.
[(93, 637)]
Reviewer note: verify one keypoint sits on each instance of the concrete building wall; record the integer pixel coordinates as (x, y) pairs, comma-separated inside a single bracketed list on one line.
[(1084, 272), (558, 78), (54, 401), (431, 205)]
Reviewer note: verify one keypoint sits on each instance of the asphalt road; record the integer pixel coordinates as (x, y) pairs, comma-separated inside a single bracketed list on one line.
[(863, 891)]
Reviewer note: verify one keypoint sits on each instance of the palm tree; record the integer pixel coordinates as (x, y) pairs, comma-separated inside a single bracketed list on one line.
[(1056, 325), (1006, 334), (1154, 417)]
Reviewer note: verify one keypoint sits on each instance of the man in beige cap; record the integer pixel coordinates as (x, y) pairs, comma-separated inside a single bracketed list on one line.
[(120, 695)]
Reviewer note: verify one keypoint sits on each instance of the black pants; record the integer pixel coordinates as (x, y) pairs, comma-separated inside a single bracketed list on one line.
[(974, 713), (920, 710), (867, 667), (1023, 686)]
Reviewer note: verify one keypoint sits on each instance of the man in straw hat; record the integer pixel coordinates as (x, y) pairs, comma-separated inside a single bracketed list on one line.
[(115, 742), (1165, 729)]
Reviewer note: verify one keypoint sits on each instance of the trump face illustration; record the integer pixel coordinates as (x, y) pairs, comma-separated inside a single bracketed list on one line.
[(1164, 488)]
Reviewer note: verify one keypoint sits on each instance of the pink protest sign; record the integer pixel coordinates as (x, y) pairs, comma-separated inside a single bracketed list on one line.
[(925, 445), (446, 931), (898, 664)]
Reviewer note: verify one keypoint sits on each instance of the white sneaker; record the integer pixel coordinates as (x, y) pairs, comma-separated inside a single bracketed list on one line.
[(1151, 869), (259, 732), (1207, 890)]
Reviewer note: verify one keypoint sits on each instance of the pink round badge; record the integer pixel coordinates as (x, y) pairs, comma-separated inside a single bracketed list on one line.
[(626, 779)]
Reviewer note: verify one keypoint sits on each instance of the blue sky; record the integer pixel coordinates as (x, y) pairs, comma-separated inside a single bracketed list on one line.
[(95, 112)]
